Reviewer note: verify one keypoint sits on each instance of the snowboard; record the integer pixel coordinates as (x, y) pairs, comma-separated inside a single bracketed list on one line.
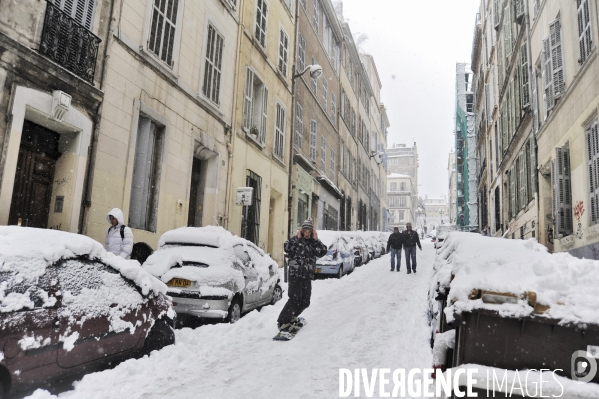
[(291, 332)]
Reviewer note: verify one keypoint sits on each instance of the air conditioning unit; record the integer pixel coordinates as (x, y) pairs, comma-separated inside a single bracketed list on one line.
[(61, 102)]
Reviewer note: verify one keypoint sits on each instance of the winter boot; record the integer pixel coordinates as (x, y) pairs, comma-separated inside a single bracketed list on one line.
[(285, 327), (298, 321)]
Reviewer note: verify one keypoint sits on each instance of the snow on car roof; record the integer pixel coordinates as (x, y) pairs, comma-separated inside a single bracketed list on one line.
[(567, 285), (163, 259), (214, 236), (29, 251)]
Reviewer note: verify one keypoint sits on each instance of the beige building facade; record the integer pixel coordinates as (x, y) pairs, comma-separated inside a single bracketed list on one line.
[(261, 123), (161, 153), (402, 200)]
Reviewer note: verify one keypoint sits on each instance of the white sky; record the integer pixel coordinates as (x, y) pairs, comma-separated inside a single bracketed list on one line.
[(416, 45)]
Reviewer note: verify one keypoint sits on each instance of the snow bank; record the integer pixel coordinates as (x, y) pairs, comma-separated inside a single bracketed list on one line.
[(556, 286), (25, 253)]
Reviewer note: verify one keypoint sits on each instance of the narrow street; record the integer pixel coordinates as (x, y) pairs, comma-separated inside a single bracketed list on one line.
[(370, 319)]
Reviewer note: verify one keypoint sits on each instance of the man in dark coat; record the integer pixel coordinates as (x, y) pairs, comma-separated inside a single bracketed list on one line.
[(410, 240), (302, 252), (394, 243)]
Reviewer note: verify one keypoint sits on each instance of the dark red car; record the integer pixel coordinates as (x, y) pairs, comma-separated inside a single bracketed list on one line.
[(68, 308)]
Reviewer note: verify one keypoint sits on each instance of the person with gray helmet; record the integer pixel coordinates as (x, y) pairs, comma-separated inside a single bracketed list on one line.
[(302, 251), (410, 240), (119, 237), (394, 245)]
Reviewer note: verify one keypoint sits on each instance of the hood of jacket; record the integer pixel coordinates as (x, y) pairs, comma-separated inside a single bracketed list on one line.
[(117, 214)]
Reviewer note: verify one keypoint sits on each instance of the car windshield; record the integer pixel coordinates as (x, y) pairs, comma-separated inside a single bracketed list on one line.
[(186, 244)]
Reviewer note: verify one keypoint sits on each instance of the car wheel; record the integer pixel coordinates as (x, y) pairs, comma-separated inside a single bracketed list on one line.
[(160, 335), (340, 274), (234, 311), (277, 294)]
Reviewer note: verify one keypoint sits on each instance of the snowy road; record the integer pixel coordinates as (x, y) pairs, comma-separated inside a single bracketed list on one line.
[(370, 319)]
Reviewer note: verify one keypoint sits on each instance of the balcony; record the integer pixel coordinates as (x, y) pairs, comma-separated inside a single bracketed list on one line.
[(69, 44)]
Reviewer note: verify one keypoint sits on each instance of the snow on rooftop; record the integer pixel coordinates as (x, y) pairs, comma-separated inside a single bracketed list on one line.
[(567, 285), (398, 175)]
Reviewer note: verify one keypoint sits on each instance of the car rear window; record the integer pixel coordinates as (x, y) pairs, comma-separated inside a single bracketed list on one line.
[(26, 293)]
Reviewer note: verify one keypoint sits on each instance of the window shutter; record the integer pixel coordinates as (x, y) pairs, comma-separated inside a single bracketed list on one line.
[(299, 125), (497, 12), (519, 8), (248, 99), (487, 105), (507, 32), (512, 115), (264, 115), (549, 98), (557, 65), (82, 11), (535, 101), (524, 77), (592, 134), (523, 179), (563, 200), (585, 41), (533, 167), (513, 190)]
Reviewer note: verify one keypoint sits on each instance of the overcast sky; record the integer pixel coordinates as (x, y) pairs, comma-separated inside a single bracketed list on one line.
[(416, 45)]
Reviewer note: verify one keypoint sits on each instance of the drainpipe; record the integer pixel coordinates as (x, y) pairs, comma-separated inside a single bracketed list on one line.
[(91, 156)]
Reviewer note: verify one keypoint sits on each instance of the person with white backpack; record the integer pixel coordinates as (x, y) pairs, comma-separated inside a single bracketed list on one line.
[(119, 237)]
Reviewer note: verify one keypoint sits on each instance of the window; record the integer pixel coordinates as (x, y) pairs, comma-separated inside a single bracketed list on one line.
[(325, 89), (261, 13), (314, 83), (332, 163), (523, 177), (553, 68), (507, 32), (147, 169), (323, 154), (289, 4), (585, 42), (299, 125), (283, 52), (250, 223), (301, 54), (592, 134), (402, 186), (255, 107), (313, 134), (162, 30), (280, 133), (82, 11), (524, 79), (317, 15), (402, 202), (213, 66), (393, 186), (334, 108), (562, 196), (402, 216), (304, 3)]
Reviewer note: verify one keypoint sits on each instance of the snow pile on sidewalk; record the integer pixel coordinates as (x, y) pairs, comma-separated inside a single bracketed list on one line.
[(568, 286), (25, 253)]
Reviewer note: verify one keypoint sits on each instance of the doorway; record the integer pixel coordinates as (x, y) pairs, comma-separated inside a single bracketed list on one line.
[(196, 193), (34, 177)]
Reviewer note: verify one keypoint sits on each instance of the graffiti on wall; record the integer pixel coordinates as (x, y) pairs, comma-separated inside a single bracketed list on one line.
[(579, 210)]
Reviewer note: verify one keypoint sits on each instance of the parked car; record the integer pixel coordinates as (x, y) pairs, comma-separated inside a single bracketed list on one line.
[(68, 308), (374, 247), (212, 274), (361, 253), (339, 259), (527, 308)]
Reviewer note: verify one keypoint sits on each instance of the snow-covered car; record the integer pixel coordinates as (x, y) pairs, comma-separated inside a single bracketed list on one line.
[(68, 307), (442, 233), (527, 308), (339, 259), (360, 249), (212, 274)]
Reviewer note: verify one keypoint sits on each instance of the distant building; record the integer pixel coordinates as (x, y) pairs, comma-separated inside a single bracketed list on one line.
[(402, 200), (437, 210), (403, 160)]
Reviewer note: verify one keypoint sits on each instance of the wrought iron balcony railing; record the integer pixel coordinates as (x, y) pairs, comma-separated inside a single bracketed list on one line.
[(69, 43)]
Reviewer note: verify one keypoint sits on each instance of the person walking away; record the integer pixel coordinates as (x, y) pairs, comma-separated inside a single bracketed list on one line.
[(119, 237), (394, 243), (410, 240), (302, 252)]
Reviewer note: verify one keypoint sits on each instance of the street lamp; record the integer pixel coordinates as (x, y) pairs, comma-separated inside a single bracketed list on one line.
[(315, 72)]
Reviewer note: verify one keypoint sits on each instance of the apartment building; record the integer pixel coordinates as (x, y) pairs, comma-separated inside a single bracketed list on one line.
[(451, 172), (402, 200)]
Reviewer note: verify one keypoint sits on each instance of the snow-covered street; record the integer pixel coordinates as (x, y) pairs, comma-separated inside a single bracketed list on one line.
[(370, 319)]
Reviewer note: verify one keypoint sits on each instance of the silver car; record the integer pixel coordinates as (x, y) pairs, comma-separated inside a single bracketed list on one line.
[(214, 275)]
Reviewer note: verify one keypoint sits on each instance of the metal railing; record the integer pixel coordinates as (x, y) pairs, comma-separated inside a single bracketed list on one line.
[(69, 43)]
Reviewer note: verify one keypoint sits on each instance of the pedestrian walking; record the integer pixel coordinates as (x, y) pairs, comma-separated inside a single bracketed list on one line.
[(410, 239), (394, 244), (119, 237), (302, 252)]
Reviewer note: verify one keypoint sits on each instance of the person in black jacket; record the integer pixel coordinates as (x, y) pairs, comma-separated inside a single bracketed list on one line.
[(302, 252), (394, 243), (410, 240)]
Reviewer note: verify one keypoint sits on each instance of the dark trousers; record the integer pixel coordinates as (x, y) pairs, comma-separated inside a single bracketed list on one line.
[(395, 253), (410, 253), (300, 290)]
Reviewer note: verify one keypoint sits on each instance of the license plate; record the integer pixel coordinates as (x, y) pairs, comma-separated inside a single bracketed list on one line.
[(179, 282), (317, 270)]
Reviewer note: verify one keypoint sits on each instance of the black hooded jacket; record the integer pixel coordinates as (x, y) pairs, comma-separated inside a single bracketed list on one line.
[(302, 254), (394, 241), (411, 239)]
